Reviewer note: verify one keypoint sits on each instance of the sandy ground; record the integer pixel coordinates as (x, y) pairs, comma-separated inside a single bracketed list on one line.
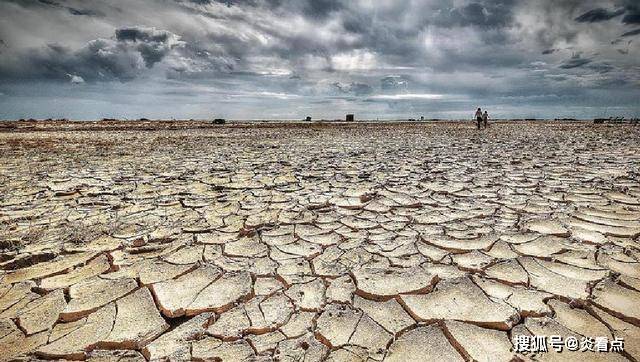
[(399, 242)]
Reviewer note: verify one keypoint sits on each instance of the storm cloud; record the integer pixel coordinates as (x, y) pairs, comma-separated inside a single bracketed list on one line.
[(122, 57), (287, 58), (631, 33), (576, 61), (597, 15)]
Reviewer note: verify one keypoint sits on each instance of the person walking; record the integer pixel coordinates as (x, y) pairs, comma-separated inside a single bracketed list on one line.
[(479, 117), (485, 118)]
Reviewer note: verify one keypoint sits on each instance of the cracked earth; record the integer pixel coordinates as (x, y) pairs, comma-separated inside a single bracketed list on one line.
[(395, 242)]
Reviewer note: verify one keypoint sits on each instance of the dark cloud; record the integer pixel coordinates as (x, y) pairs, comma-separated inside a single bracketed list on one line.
[(631, 18), (601, 67), (482, 13), (136, 34), (321, 8), (206, 2), (318, 9), (152, 44), (557, 77), (473, 13), (576, 61), (631, 33), (55, 4), (83, 12), (599, 14), (122, 58), (633, 12)]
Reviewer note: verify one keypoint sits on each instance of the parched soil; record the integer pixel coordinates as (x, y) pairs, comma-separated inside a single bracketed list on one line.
[(341, 242)]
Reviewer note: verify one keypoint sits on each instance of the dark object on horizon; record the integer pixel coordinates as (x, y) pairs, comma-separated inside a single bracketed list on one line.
[(143, 120), (308, 119), (412, 119), (599, 121), (109, 120), (219, 121), (531, 119), (422, 119), (351, 118)]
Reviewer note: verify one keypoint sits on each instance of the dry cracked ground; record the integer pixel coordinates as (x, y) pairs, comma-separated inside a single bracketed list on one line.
[(395, 242)]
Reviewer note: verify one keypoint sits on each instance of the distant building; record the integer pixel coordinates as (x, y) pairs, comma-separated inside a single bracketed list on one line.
[(219, 121), (351, 118), (308, 119)]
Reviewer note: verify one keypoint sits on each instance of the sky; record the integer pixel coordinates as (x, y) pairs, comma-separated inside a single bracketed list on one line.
[(288, 59)]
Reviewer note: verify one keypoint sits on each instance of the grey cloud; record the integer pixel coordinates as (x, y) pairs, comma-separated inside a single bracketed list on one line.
[(387, 33), (122, 58), (557, 77), (55, 4), (357, 89), (631, 33), (204, 2), (136, 34), (599, 14), (575, 61), (631, 18), (75, 79), (601, 67), (83, 12), (318, 9), (633, 12), (394, 83), (321, 8), (152, 44), (100, 59), (481, 13)]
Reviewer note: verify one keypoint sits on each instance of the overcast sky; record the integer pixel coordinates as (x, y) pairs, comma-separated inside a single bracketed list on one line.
[(286, 59)]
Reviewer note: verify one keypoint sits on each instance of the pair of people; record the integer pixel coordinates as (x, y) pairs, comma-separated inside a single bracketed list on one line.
[(482, 118)]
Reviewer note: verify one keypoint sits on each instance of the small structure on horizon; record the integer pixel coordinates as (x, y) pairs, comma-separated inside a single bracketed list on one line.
[(351, 118), (219, 121), (308, 119)]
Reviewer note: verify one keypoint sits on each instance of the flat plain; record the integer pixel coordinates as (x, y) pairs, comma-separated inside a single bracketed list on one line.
[(134, 241)]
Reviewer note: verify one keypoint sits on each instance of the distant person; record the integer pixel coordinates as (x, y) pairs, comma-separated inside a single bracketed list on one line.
[(479, 117), (485, 118)]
